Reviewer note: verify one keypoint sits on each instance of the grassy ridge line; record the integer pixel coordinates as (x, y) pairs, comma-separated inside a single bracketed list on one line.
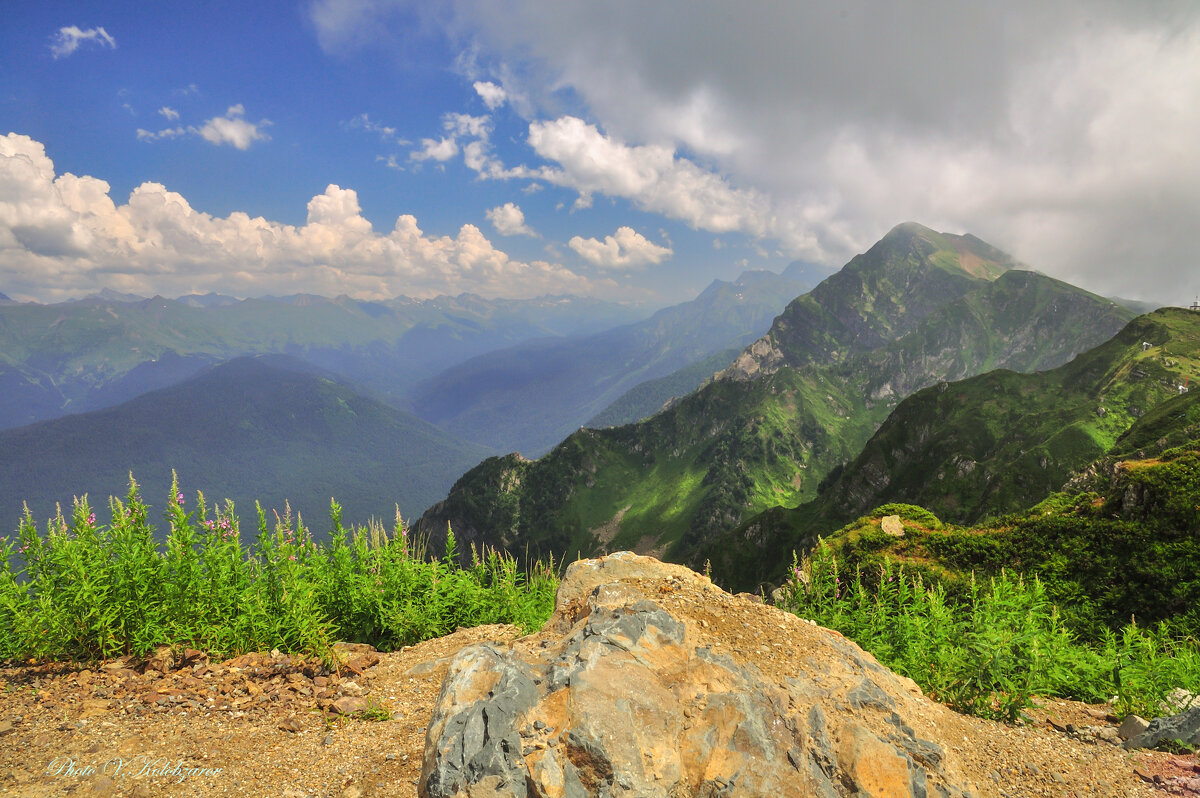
[(987, 445), (89, 591)]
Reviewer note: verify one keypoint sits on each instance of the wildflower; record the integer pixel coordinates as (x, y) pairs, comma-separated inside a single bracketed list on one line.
[(92, 519), (179, 498)]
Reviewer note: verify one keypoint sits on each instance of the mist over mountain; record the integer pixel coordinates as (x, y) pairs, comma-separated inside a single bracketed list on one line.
[(528, 397), (272, 429), (91, 353)]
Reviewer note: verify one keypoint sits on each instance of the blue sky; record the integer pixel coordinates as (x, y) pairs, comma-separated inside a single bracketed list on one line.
[(621, 150)]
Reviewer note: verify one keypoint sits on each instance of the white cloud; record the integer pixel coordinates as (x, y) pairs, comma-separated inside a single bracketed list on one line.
[(385, 132), (68, 39), (435, 150), (390, 162), (493, 96), (168, 113), (509, 220), (155, 135), (626, 249), (649, 175), (63, 236), (233, 129)]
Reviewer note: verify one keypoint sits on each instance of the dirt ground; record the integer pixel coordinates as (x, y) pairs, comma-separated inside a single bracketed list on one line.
[(270, 725)]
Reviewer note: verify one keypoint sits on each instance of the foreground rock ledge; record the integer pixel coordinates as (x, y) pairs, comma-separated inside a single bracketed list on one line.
[(630, 690)]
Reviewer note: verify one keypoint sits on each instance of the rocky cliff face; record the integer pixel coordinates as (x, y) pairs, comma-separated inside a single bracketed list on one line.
[(650, 681)]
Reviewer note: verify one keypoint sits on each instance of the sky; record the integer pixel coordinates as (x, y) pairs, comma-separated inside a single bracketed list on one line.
[(626, 150)]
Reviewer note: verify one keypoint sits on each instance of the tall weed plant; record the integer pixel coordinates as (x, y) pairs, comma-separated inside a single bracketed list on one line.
[(88, 591), (992, 652)]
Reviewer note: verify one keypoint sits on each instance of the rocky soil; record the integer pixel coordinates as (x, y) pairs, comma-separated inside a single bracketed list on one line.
[(269, 724)]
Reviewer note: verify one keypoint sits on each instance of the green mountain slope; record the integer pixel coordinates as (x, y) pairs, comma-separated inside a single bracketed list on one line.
[(529, 397), (647, 398), (253, 428), (995, 443), (796, 405), (1127, 547), (78, 356)]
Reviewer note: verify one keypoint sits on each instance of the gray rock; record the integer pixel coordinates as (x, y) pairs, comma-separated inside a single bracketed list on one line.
[(615, 697), (1184, 727), (1132, 726), (472, 739)]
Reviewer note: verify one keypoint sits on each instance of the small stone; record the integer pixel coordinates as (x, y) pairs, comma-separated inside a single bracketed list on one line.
[(6, 726), (1132, 726), (348, 705), (892, 525), (103, 786), (292, 724), (328, 740)]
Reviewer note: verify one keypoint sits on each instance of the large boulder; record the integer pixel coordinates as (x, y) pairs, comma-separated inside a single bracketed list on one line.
[(650, 681)]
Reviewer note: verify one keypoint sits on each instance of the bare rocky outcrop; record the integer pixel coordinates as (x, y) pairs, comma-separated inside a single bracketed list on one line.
[(623, 696)]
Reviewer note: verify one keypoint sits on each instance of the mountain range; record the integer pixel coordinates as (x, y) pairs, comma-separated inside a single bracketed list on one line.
[(147, 358), (270, 428), (97, 352), (530, 396), (933, 369), (917, 309)]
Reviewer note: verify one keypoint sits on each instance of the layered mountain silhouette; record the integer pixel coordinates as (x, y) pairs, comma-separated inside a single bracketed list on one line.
[(916, 309), (528, 397), (271, 428)]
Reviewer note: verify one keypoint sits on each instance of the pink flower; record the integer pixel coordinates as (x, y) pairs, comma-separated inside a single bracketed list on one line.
[(179, 498), (92, 519)]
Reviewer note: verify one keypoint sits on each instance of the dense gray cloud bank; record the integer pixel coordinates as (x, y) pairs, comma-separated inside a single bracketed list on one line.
[(1064, 132)]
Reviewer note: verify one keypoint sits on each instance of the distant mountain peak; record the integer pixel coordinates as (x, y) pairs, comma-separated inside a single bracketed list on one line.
[(106, 294), (209, 300)]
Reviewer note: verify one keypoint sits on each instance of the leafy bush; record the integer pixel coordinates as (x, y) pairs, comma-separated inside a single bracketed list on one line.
[(90, 591), (990, 652)]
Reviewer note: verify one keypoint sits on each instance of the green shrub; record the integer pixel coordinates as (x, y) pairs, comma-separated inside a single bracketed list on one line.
[(991, 652), (86, 591)]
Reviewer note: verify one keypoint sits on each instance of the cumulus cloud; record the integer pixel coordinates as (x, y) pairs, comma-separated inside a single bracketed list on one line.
[(509, 220), (168, 113), (627, 249), (68, 39), (232, 129), (63, 236), (649, 175), (493, 96), (435, 150)]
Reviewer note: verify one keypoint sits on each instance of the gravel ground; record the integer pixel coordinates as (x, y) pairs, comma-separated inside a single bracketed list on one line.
[(267, 724)]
